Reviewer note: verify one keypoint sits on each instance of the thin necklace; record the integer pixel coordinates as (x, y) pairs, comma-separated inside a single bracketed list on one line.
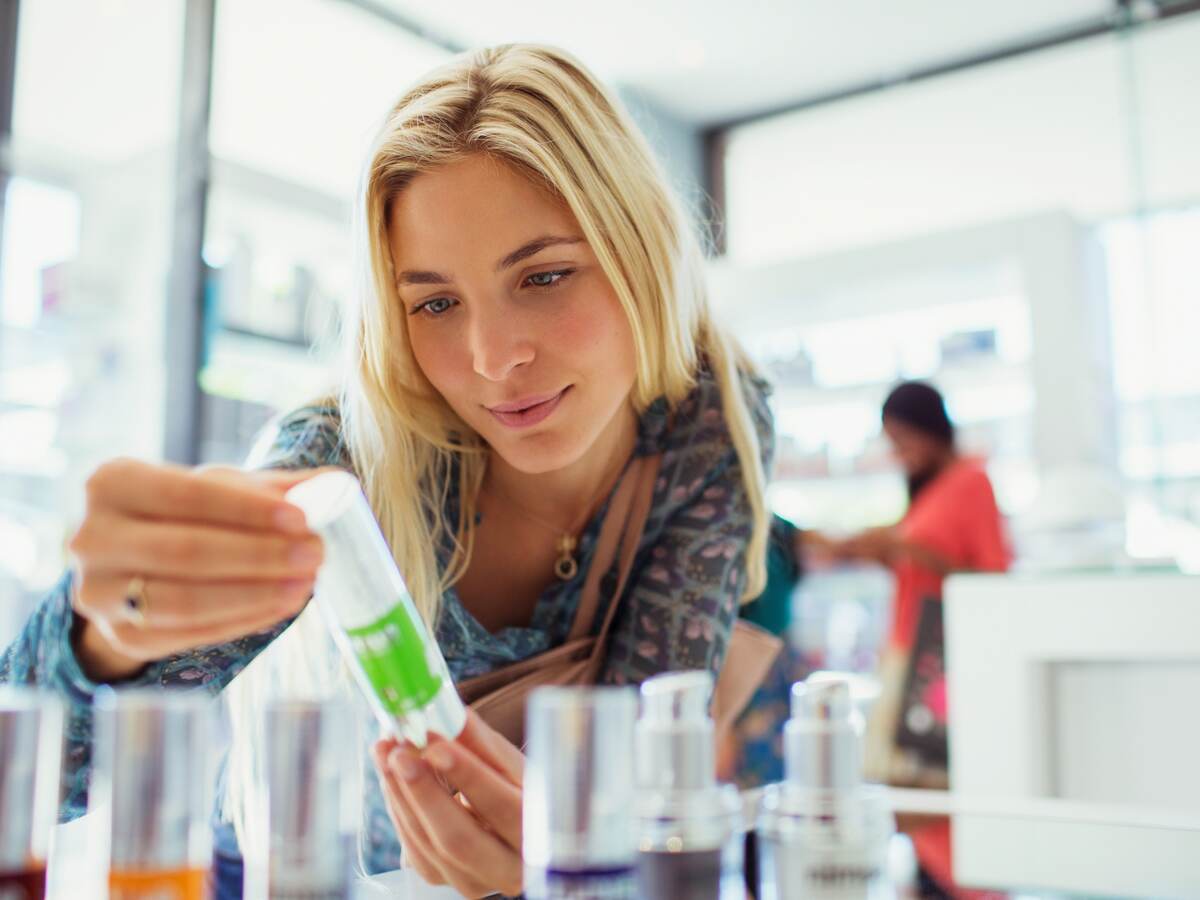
[(566, 566)]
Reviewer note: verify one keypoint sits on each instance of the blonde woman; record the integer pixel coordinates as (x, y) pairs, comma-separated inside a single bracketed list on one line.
[(533, 324)]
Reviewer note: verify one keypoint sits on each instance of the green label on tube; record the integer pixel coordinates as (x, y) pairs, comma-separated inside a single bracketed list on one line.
[(393, 656)]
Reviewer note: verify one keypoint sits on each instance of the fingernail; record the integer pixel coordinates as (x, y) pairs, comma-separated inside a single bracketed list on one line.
[(290, 518), (440, 757), (405, 765), (306, 554)]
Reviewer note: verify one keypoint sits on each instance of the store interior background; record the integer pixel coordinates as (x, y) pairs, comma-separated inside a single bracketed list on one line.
[(1003, 198)]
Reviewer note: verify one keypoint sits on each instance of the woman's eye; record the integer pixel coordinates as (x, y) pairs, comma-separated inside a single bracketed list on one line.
[(548, 279), (436, 306)]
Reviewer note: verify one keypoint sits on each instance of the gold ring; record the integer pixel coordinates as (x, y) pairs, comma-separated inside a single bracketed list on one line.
[(137, 603)]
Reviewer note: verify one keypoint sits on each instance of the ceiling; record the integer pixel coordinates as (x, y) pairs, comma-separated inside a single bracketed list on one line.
[(705, 61)]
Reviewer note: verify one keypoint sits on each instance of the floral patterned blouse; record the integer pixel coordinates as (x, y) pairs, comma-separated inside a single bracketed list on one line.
[(677, 610)]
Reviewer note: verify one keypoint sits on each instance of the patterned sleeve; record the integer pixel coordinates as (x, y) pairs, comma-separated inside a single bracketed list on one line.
[(679, 611), (43, 654)]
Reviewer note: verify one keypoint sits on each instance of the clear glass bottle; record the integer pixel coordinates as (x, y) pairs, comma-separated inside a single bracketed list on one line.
[(371, 613), (309, 811), (690, 834), (822, 832), (31, 730), (152, 787), (578, 816)]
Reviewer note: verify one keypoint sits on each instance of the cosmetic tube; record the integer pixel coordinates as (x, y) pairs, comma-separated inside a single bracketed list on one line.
[(372, 615)]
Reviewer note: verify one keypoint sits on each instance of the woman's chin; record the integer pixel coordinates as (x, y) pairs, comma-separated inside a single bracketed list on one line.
[(538, 453)]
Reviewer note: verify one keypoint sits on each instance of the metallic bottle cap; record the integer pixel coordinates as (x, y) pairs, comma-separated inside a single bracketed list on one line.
[(309, 812), (579, 798), (675, 733), (152, 776), (31, 727), (823, 738)]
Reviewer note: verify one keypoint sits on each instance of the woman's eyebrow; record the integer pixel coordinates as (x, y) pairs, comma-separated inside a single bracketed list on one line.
[(526, 250), (411, 276), (537, 245)]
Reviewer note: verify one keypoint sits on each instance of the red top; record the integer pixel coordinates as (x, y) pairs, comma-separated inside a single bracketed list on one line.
[(956, 517)]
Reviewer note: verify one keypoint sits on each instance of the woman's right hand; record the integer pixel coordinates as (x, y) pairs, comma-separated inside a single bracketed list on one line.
[(220, 553)]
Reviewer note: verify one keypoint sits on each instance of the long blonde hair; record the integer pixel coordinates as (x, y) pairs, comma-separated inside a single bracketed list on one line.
[(540, 111)]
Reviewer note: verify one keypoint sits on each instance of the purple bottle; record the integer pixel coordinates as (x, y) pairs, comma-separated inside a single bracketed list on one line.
[(690, 834), (578, 816)]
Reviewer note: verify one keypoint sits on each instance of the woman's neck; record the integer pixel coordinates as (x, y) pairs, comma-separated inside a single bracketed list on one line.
[(946, 460), (568, 496)]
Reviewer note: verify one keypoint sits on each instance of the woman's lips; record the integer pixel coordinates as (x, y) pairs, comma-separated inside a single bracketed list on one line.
[(523, 414)]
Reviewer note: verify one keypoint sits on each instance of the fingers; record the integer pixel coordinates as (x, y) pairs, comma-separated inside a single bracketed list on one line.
[(220, 551), (217, 496), (493, 797), (418, 853), (146, 643), (493, 748), (194, 551), (466, 851), (174, 604), (469, 858)]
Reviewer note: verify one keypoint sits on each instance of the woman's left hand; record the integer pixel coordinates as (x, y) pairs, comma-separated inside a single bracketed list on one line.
[(456, 807)]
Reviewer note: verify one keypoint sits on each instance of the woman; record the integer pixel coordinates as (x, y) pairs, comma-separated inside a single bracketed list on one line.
[(952, 523), (533, 323)]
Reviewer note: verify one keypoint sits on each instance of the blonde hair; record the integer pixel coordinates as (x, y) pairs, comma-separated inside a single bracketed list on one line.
[(540, 111)]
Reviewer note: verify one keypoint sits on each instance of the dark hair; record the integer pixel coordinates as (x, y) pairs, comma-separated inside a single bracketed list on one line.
[(920, 406)]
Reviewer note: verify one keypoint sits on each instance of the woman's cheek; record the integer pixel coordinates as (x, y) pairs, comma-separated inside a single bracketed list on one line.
[(442, 360), (594, 325)]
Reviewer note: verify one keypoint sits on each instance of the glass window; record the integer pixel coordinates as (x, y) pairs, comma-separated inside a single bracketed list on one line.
[(1154, 278), (84, 262), (300, 88)]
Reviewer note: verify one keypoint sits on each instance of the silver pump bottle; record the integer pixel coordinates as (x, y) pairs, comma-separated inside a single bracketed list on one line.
[(690, 834), (822, 832)]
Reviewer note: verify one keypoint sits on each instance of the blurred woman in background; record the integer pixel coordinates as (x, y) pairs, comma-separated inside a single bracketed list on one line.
[(952, 525)]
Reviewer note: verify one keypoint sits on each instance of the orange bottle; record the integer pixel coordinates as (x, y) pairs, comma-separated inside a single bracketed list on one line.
[(152, 779), (185, 884)]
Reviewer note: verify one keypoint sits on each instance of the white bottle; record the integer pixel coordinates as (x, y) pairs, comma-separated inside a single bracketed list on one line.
[(822, 832), (372, 616)]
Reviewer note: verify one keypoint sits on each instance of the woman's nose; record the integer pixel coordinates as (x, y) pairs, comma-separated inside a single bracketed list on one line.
[(499, 345)]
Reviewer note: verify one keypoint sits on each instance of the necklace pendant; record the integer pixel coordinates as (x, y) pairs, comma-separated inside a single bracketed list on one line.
[(566, 567)]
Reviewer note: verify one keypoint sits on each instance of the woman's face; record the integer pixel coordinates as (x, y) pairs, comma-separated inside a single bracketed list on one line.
[(509, 314), (917, 451)]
